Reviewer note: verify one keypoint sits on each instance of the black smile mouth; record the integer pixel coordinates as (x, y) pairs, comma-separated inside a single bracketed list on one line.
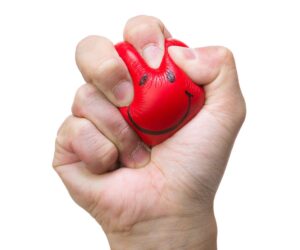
[(167, 130)]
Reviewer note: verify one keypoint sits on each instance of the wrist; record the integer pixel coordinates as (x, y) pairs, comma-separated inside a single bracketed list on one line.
[(195, 232)]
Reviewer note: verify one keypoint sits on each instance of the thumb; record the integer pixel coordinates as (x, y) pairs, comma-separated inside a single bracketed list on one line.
[(214, 68)]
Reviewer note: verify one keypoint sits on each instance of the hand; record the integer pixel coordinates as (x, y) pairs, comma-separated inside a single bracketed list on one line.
[(149, 199)]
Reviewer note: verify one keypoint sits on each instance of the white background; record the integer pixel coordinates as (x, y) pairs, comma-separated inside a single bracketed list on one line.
[(257, 205)]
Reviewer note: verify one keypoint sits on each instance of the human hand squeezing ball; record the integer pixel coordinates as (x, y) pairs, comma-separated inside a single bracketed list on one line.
[(149, 137)]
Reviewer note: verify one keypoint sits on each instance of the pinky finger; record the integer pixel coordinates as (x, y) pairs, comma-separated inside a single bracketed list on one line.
[(79, 140)]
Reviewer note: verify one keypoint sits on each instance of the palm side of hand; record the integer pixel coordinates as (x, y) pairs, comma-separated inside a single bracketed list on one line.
[(183, 173)]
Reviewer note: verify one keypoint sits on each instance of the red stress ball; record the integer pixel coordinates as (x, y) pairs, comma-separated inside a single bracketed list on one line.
[(165, 99)]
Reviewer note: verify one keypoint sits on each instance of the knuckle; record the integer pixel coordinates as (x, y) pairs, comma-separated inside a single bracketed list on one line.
[(142, 19), (242, 111), (106, 69), (64, 127), (136, 30), (109, 153), (237, 110), (83, 96), (81, 128), (140, 24), (135, 20), (88, 52), (85, 92), (62, 141), (86, 43), (59, 151), (226, 55), (122, 132)]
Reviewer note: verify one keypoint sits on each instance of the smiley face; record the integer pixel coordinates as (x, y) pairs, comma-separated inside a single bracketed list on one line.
[(165, 99), (170, 76)]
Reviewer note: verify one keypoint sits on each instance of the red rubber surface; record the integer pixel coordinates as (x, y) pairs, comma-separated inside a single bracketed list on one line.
[(165, 99)]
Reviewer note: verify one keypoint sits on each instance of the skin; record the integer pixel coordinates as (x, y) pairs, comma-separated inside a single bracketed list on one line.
[(158, 199)]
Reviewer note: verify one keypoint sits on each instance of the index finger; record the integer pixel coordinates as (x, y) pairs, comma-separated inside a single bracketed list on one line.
[(147, 34), (101, 65)]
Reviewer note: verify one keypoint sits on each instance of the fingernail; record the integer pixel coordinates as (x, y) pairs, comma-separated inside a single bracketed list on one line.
[(182, 52), (123, 93), (153, 55), (140, 155)]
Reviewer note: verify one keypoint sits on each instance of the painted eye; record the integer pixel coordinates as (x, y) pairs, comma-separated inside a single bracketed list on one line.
[(170, 76), (143, 80)]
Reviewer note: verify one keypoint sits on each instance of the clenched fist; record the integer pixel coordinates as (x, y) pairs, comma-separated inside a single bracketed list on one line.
[(149, 199)]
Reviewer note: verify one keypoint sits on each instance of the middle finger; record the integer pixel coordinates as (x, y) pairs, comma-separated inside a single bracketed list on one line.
[(91, 104)]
